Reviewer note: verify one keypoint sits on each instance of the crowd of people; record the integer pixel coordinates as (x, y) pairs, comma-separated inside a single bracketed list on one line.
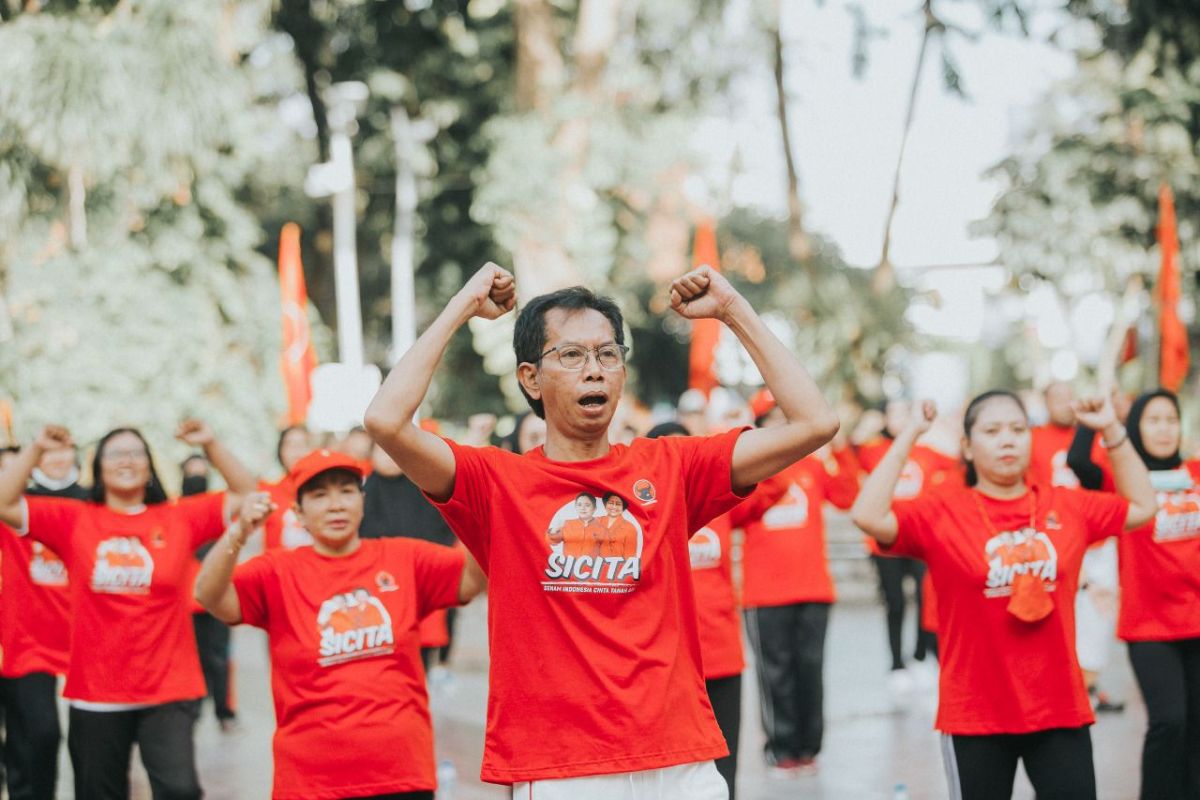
[(608, 559)]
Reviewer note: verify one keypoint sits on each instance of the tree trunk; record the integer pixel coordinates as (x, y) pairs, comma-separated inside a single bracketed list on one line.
[(798, 244), (539, 70), (885, 273)]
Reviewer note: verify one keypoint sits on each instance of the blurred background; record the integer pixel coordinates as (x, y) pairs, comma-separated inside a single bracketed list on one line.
[(926, 198)]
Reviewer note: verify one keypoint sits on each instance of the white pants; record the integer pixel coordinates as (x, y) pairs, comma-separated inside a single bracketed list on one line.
[(699, 781), (1095, 622)]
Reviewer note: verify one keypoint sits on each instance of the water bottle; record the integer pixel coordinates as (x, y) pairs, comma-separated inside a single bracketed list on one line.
[(447, 777), (900, 792)]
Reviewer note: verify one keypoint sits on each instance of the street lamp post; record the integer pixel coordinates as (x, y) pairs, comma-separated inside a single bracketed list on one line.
[(335, 179)]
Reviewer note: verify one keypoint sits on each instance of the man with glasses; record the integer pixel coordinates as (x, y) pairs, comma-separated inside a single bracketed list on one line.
[(597, 689)]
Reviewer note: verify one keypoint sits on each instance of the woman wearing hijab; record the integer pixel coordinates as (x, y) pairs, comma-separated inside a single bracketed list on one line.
[(1160, 596)]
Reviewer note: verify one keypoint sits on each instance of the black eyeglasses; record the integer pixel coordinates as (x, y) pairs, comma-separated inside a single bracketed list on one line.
[(574, 356)]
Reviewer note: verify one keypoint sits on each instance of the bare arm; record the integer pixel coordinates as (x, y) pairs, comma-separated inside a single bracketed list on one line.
[(872, 509), (425, 458), (473, 581), (759, 454), (240, 480), (214, 584), (15, 478), (1129, 472)]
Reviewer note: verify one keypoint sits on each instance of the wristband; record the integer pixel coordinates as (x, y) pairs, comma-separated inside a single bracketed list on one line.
[(1124, 438)]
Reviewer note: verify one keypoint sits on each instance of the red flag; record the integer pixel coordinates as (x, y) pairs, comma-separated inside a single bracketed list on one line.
[(1173, 366), (297, 359), (706, 333)]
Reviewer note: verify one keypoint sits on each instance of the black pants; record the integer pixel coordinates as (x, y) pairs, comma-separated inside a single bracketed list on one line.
[(212, 640), (1168, 674), (892, 572), (451, 618), (1058, 763), (789, 651), (101, 743), (32, 735), (725, 695)]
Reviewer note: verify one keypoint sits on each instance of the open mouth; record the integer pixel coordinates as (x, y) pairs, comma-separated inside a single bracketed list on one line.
[(593, 400)]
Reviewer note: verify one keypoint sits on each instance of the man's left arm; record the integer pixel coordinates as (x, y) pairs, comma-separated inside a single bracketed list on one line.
[(811, 422)]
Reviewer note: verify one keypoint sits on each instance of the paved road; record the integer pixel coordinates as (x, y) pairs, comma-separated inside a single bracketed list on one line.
[(870, 744)]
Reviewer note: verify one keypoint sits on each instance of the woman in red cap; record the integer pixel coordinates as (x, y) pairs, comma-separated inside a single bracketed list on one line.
[(1004, 557), (342, 619)]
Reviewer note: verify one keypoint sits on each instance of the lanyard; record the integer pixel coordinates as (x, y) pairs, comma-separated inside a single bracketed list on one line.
[(987, 520)]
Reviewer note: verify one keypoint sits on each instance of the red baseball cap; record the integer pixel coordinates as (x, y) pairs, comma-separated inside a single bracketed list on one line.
[(319, 461)]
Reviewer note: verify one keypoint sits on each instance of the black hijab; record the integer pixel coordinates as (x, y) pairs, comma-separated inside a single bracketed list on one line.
[(1134, 427)]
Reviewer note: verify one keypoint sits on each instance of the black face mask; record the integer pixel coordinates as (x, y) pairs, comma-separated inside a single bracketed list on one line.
[(194, 484)]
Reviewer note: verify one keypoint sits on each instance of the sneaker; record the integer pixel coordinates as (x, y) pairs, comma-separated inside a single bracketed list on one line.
[(230, 725), (784, 769), (1103, 704)]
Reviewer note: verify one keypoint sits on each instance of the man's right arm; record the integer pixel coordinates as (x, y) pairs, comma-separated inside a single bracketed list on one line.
[(425, 458)]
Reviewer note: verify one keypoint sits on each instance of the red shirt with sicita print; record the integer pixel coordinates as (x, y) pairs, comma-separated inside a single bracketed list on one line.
[(1159, 564), (131, 634), (595, 656), (784, 560), (712, 577), (1000, 674), (351, 710), (925, 468), (35, 607)]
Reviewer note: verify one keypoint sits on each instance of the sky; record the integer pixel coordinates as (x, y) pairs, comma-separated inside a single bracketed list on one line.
[(847, 130)]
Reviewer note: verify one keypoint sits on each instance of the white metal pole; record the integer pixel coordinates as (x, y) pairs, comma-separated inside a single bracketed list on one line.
[(345, 253), (404, 309)]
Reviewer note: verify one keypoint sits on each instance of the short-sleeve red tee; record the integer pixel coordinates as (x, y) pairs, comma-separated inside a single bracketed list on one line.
[(784, 559), (351, 710), (1000, 674), (600, 653), (925, 469), (720, 627), (1160, 566), (1048, 456), (131, 634), (35, 607)]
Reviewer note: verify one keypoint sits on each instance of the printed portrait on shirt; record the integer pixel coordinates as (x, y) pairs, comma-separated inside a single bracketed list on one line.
[(45, 567), (1025, 551), (594, 540), (353, 625), (123, 566), (704, 549), (1178, 516)]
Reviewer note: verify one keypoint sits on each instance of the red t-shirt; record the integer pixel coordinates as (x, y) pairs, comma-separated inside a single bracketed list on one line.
[(1048, 456), (925, 469), (35, 608), (998, 673), (283, 527), (716, 602), (131, 634), (1160, 568), (599, 653), (784, 560), (351, 711)]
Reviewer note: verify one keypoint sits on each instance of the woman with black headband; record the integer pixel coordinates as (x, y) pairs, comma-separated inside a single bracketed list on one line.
[(1004, 556), (1160, 595)]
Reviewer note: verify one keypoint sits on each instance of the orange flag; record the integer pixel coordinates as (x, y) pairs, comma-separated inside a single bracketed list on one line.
[(297, 360), (706, 333), (1173, 366)]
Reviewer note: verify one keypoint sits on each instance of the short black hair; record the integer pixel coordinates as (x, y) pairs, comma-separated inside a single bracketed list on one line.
[(529, 335), (337, 474), (668, 428)]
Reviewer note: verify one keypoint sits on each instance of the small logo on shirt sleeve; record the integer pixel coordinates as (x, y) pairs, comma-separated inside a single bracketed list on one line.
[(385, 581), (644, 491)]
